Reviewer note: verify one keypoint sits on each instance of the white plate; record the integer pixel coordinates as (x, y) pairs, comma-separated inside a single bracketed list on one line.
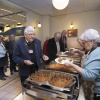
[(63, 61), (63, 55)]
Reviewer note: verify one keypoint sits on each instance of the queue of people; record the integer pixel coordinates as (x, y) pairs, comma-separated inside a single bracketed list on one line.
[(6, 51)]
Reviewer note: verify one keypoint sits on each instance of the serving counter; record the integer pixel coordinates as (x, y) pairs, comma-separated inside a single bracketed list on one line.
[(46, 91)]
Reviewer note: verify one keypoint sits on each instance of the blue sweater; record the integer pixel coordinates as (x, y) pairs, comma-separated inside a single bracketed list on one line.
[(2, 50), (91, 69)]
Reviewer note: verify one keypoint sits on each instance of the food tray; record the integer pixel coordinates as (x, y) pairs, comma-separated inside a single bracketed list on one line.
[(51, 86), (39, 83), (57, 69), (59, 88)]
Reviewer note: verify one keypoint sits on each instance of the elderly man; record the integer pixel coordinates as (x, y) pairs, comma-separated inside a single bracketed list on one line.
[(63, 39), (54, 47), (27, 53)]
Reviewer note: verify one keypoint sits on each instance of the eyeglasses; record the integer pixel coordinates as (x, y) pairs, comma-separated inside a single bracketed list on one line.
[(31, 34), (84, 42)]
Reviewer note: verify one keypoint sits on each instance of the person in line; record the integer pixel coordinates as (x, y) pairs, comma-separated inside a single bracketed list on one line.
[(2, 59), (6, 56), (45, 50), (27, 54), (90, 69), (10, 47), (55, 47), (63, 39)]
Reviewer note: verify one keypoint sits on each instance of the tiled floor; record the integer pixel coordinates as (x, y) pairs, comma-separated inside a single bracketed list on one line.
[(11, 89)]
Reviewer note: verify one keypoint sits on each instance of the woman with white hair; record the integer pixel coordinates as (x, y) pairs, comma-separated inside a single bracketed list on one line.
[(90, 71)]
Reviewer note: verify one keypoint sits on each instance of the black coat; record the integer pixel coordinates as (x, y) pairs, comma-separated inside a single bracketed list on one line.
[(21, 53), (62, 39), (52, 49)]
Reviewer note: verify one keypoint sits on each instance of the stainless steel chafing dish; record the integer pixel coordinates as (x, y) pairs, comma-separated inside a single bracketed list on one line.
[(53, 73), (69, 93)]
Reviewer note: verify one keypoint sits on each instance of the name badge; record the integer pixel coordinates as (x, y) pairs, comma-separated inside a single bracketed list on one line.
[(30, 51)]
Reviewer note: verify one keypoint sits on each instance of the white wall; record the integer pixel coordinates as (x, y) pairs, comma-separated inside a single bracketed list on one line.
[(50, 25), (46, 27), (32, 18), (81, 21), (45, 30)]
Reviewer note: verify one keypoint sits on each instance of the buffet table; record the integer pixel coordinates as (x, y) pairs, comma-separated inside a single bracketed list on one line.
[(48, 92)]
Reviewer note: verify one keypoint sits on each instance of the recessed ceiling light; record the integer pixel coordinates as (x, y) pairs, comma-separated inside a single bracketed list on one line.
[(6, 18), (14, 20), (21, 15), (6, 10)]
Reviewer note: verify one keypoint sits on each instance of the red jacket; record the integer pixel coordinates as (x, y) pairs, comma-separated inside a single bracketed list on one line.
[(45, 51)]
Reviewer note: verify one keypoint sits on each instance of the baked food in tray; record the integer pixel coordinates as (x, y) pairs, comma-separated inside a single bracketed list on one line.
[(61, 80), (41, 76), (61, 67)]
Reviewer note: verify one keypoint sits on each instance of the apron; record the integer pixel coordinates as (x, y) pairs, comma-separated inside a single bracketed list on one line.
[(88, 86)]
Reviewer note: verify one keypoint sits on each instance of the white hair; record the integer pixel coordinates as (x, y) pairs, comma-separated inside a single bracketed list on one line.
[(28, 29), (57, 34), (81, 37), (91, 34)]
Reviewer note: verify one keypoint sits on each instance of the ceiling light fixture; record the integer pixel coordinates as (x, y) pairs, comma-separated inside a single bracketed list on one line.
[(18, 24), (71, 26), (0, 31), (21, 15), (60, 4), (6, 18), (6, 10), (7, 25), (14, 20), (38, 24)]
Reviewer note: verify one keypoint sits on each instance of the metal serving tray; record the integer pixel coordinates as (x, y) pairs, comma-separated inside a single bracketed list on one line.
[(61, 89), (53, 62), (65, 75), (51, 86), (39, 83)]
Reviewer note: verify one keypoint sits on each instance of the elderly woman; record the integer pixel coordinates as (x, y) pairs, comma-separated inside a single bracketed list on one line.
[(90, 70)]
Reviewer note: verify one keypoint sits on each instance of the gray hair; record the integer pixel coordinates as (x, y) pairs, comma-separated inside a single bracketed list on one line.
[(81, 37), (57, 34), (91, 34), (28, 29)]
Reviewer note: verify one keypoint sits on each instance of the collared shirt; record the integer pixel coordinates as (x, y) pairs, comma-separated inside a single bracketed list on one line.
[(58, 47)]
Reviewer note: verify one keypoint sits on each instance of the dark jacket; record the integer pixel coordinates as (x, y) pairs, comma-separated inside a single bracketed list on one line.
[(52, 49), (21, 53), (10, 46), (62, 39)]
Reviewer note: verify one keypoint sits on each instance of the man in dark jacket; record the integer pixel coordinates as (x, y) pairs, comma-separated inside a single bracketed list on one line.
[(27, 53), (55, 47), (10, 47), (63, 39)]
